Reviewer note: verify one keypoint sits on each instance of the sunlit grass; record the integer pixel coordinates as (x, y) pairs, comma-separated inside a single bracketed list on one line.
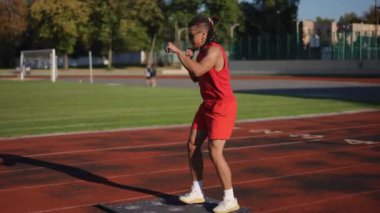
[(39, 107)]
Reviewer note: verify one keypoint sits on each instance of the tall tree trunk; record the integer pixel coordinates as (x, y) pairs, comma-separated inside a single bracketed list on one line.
[(176, 37), (110, 54), (66, 61), (151, 49)]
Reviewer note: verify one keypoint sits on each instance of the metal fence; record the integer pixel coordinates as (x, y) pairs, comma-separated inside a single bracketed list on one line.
[(339, 46), (356, 46), (342, 46)]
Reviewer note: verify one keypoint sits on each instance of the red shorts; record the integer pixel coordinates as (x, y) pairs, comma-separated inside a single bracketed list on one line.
[(216, 118)]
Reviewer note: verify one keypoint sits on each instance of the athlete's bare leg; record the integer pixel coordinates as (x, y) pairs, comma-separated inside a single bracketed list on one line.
[(222, 168), (194, 146)]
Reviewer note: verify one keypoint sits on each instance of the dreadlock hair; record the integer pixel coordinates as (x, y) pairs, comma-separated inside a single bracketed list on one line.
[(209, 22)]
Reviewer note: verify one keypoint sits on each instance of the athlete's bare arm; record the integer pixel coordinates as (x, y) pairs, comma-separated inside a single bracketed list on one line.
[(197, 68), (190, 53)]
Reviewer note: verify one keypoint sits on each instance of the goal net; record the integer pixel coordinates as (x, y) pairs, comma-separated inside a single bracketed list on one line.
[(43, 60)]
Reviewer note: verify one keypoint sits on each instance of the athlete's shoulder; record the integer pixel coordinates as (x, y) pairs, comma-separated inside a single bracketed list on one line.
[(215, 44), (216, 48), (213, 52)]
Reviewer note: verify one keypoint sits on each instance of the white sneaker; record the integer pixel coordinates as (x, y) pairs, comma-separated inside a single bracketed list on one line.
[(227, 206), (192, 197)]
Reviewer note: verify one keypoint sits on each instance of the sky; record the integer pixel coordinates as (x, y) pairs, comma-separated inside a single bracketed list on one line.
[(333, 9)]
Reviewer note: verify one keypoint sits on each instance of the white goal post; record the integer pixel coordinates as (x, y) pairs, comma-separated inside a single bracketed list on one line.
[(38, 59)]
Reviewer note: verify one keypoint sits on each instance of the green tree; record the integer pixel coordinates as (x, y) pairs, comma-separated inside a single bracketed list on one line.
[(124, 25), (13, 23), (371, 16), (132, 36), (229, 13), (105, 18), (150, 14), (349, 18), (60, 22), (270, 16), (180, 12), (321, 20)]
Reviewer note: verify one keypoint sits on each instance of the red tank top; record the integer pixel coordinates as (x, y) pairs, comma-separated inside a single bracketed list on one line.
[(215, 85)]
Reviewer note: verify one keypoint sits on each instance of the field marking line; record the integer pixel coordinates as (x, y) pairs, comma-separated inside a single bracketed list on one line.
[(187, 125), (314, 115)]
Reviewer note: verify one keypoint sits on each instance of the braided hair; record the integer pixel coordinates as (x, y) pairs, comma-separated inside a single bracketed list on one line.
[(209, 22)]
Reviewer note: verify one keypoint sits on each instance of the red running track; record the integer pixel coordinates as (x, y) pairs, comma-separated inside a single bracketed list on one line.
[(315, 164)]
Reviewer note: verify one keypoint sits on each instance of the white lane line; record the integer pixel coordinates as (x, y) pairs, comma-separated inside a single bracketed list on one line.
[(351, 195), (356, 142), (265, 131), (304, 173), (179, 154), (168, 155), (217, 186), (182, 142), (186, 168)]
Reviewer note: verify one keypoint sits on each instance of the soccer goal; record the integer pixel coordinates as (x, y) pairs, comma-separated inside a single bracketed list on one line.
[(38, 60)]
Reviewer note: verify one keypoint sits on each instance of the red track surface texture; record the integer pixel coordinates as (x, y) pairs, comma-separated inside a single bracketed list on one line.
[(319, 164)]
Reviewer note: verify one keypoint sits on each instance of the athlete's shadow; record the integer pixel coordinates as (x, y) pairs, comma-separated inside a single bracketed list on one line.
[(11, 160)]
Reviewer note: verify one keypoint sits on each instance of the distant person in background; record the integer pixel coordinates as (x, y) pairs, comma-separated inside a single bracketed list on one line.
[(150, 75)]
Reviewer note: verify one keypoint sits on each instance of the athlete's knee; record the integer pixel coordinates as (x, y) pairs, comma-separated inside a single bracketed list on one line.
[(214, 151), (191, 144)]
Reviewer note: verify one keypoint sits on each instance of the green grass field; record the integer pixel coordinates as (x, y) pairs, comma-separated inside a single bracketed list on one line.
[(40, 107)]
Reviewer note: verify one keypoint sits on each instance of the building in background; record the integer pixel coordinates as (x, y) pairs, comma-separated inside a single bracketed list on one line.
[(330, 33)]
